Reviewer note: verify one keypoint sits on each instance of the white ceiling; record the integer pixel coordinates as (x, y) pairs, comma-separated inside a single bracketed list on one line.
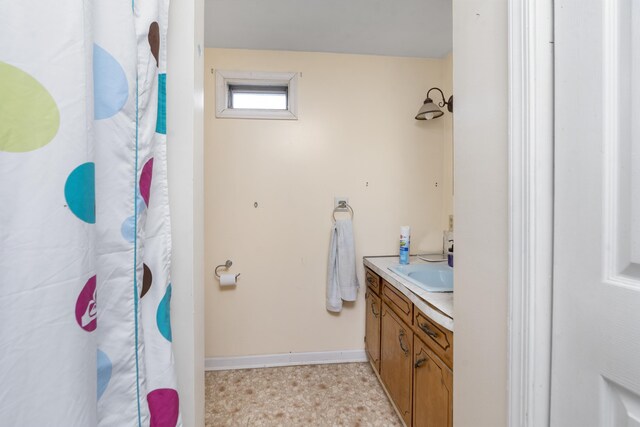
[(420, 28)]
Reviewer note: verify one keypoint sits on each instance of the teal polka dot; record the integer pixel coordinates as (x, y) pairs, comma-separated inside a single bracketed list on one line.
[(161, 123), (163, 315), (80, 192)]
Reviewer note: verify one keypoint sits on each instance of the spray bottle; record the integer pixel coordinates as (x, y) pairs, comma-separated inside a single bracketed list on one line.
[(405, 242)]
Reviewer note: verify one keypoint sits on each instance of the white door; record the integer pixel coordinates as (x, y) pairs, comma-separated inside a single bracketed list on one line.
[(596, 298)]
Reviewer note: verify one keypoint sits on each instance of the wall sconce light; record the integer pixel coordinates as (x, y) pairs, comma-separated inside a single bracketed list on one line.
[(430, 110)]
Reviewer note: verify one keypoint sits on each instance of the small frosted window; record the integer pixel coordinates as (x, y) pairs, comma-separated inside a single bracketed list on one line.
[(258, 97)]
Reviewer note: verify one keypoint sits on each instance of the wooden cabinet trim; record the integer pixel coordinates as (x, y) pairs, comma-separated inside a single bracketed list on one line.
[(373, 280), (402, 306), (439, 339)]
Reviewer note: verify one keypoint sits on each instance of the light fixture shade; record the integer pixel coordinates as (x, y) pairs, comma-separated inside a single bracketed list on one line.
[(428, 111)]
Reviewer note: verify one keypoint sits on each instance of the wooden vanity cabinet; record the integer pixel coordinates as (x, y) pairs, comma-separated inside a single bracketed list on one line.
[(412, 354), (372, 324), (432, 388), (396, 367)]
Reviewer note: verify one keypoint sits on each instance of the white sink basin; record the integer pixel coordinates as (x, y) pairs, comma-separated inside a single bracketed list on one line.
[(434, 277)]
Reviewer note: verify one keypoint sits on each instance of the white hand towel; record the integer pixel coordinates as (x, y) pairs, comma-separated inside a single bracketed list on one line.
[(342, 281)]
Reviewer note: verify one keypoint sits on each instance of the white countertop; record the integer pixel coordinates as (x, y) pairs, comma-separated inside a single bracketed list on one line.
[(425, 301)]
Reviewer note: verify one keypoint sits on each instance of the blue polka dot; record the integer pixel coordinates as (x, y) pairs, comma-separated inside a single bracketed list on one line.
[(128, 229), (161, 123), (163, 317), (140, 202), (80, 192), (104, 372), (110, 87)]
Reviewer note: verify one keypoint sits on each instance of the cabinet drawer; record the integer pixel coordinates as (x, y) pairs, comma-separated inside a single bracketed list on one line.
[(439, 339), (398, 302), (373, 280)]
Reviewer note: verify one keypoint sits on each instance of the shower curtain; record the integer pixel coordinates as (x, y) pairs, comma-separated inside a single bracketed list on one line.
[(85, 334)]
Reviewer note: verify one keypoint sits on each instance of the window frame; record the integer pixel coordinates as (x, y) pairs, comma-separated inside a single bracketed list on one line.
[(225, 78)]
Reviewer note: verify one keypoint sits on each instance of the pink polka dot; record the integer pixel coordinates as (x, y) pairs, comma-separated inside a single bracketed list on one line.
[(86, 306), (163, 406), (145, 180)]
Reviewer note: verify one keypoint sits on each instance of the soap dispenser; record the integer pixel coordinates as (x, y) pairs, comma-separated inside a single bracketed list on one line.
[(450, 254)]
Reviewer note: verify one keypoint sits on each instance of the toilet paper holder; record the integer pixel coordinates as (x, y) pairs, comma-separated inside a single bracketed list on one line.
[(226, 266)]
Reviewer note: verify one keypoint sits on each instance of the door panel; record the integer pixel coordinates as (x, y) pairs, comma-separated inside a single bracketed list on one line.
[(596, 298), (373, 328), (621, 407), (432, 389)]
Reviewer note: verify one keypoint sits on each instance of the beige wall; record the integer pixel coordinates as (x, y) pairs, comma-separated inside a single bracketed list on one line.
[(481, 206), (356, 137)]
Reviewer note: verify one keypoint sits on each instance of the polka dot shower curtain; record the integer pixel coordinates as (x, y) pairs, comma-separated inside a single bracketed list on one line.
[(85, 337)]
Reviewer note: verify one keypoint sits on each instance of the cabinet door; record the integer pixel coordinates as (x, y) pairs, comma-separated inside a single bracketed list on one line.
[(396, 368), (372, 337), (432, 389)]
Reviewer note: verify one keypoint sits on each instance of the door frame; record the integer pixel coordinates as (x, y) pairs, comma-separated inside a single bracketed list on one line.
[(531, 131), (185, 109)]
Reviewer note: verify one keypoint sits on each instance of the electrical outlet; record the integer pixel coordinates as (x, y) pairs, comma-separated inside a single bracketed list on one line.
[(450, 222), (338, 200)]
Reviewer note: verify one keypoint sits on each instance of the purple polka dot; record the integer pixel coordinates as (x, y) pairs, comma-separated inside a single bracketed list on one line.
[(163, 407), (145, 180), (86, 306)]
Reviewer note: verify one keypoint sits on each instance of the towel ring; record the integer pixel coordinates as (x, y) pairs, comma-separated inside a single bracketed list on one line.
[(341, 207)]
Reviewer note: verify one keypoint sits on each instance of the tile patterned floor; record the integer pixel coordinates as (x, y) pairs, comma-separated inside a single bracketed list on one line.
[(314, 395)]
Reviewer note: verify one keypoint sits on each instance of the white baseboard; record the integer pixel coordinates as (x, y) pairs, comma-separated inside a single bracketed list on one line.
[(286, 359)]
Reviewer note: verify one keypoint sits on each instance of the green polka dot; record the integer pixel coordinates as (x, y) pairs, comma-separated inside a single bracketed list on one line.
[(29, 117)]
